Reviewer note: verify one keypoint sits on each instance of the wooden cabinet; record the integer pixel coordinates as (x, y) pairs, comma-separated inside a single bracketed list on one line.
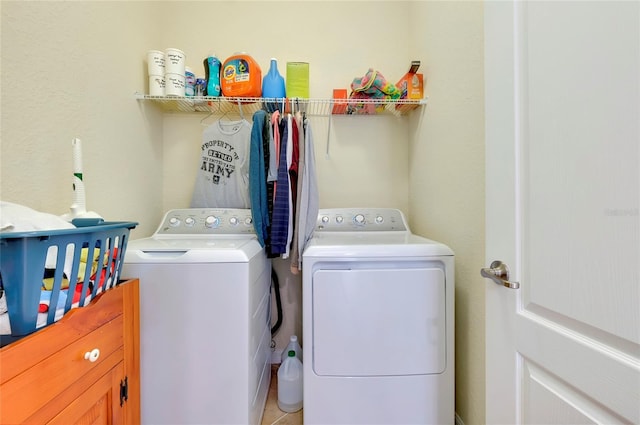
[(84, 368)]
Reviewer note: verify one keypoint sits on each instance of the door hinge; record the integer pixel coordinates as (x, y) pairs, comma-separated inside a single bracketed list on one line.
[(124, 391)]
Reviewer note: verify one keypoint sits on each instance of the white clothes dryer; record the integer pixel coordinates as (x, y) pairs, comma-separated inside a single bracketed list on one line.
[(204, 318), (378, 322)]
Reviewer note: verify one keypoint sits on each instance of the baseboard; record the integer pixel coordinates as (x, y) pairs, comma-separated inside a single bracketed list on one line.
[(276, 356), (459, 420)]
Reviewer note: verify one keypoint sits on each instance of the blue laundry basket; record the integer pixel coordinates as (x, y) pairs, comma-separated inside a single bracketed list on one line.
[(23, 258)]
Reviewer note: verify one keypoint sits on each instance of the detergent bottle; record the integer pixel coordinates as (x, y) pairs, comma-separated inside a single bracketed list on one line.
[(212, 75), (273, 87), (241, 76)]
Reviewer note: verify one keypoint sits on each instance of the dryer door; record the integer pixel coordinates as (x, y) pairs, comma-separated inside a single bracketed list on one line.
[(379, 321)]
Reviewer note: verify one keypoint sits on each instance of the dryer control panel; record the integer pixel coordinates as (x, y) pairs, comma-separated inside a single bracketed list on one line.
[(361, 219), (207, 221)]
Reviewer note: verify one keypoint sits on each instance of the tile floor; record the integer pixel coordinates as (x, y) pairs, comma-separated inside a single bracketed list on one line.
[(272, 414)]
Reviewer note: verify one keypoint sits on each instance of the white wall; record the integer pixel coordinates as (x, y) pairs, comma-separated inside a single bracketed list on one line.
[(447, 173), (367, 163), (69, 69)]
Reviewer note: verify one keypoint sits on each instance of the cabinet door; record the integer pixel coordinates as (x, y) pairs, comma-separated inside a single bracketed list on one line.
[(99, 404)]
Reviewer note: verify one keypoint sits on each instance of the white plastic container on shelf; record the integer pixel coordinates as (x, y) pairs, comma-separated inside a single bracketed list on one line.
[(156, 85), (290, 383), (155, 62), (293, 345), (174, 61), (174, 84)]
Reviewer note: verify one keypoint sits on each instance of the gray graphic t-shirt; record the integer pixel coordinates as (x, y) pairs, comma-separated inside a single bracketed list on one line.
[(223, 171)]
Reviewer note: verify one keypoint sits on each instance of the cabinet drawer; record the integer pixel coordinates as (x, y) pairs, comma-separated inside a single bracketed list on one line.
[(30, 390), (21, 355)]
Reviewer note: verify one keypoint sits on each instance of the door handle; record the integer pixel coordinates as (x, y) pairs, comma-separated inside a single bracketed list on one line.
[(499, 273)]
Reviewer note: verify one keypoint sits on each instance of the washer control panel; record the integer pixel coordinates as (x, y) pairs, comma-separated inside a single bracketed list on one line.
[(360, 219), (205, 221)]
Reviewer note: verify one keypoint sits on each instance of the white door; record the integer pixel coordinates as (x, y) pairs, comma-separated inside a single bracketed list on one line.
[(562, 156)]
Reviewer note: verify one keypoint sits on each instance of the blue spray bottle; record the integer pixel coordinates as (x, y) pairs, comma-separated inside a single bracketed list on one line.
[(212, 75)]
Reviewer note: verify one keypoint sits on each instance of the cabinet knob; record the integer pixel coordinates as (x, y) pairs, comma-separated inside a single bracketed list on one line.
[(92, 355)]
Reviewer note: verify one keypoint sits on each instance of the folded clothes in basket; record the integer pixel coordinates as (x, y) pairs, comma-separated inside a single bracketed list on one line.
[(48, 278), (20, 218), (5, 325), (46, 292), (45, 300)]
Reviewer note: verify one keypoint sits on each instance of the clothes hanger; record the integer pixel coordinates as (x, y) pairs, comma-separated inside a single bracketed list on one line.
[(202, 121), (211, 112), (240, 109), (223, 113)]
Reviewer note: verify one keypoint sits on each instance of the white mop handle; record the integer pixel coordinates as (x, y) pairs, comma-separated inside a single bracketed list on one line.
[(77, 157), (79, 201)]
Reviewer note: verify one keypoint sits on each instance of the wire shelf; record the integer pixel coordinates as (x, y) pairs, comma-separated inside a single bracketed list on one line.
[(312, 107)]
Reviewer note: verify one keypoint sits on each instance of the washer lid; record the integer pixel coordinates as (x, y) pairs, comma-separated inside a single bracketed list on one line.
[(229, 249), (373, 244)]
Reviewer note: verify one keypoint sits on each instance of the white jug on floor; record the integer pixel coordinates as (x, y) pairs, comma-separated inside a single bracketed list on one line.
[(290, 384)]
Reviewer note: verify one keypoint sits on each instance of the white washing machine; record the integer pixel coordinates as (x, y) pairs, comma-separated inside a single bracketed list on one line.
[(204, 318), (378, 316)]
